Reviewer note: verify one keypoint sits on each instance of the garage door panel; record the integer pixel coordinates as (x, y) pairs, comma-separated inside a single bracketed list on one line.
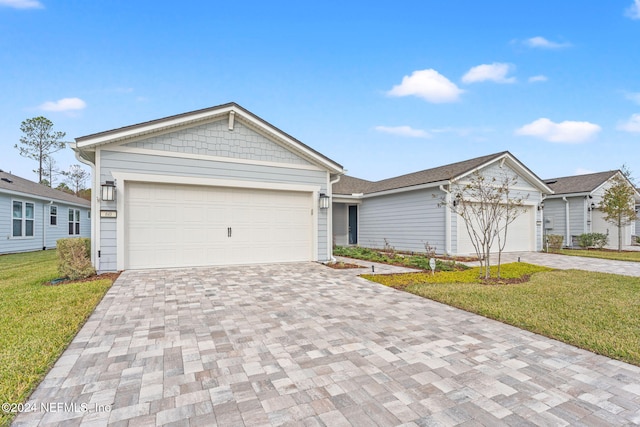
[(174, 225), (520, 235)]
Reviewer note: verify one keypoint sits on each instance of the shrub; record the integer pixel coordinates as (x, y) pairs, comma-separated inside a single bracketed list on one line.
[(593, 240), (554, 242), (74, 258)]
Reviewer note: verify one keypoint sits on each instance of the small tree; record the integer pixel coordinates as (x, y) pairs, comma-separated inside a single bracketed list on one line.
[(488, 207), (76, 178), (617, 204), (39, 141), (49, 171)]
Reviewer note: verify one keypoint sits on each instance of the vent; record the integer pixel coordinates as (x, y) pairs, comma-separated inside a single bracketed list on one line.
[(6, 180), (553, 181)]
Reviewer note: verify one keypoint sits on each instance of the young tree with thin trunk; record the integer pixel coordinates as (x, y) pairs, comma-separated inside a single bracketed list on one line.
[(487, 207), (617, 205), (76, 178), (39, 141)]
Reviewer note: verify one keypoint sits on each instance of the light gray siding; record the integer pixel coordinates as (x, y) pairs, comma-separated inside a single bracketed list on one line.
[(497, 172), (45, 235), (159, 164), (340, 224), (406, 220), (555, 215), (577, 216), (215, 139)]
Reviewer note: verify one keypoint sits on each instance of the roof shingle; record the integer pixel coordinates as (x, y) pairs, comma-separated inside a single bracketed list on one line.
[(349, 184), (579, 183), (15, 183)]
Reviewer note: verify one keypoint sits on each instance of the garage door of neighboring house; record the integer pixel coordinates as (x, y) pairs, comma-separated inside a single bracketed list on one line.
[(600, 225), (181, 225), (520, 235)]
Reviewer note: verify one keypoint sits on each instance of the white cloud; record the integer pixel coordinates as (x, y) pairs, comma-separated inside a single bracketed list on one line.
[(428, 85), (633, 11), (22, 4), (542, 43), (64, 104), (569, 132), (496, 72), (583, 171), (407, 131), (631, 125), (538, 78), (633, 96)]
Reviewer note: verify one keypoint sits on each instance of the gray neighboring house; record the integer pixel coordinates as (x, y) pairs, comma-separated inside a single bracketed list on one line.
[(404, 211), (573, 208), (33, 216), (215, 186)]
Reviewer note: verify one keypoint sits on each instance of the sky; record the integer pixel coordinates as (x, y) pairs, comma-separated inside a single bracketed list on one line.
[(382, 88)]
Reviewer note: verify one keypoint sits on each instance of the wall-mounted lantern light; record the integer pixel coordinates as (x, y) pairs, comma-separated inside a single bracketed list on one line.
[(541, 206), (108, 190), (324, 201), (593, 206)]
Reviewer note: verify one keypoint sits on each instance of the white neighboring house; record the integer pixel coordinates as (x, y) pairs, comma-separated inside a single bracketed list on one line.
[(215, 186), (34, 216), (573, 208), (407, 213)]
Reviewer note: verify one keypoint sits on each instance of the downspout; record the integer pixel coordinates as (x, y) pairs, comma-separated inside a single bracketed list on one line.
[(95, 229), (44, 224), (330, 219), (567, 223), (447, 221)]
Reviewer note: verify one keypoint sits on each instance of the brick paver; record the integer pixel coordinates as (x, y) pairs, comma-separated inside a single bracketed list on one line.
[(303, 344)]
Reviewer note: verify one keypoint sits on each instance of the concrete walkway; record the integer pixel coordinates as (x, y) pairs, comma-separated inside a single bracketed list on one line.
[(303, 344), (565, 262)]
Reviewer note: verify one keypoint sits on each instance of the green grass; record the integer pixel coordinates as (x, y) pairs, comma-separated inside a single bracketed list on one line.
[(471, 275), (37, 322), (605, 254), (594, 311)]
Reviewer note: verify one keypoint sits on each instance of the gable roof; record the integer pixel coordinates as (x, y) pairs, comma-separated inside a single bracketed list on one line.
[(12, 184), (440, 174), (197, 117), (579, 183)]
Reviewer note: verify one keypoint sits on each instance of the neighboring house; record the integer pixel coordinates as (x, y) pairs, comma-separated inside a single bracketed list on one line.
[(406, 212), (33, 216), (573, 208), (209, 187)]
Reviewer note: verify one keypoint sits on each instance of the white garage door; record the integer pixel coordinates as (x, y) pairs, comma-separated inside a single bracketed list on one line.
[(600, 225), (520, 235), (181, 225)]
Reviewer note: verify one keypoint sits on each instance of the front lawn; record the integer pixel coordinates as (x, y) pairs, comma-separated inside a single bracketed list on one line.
[(603, 253), (37, 322), (594, 311)]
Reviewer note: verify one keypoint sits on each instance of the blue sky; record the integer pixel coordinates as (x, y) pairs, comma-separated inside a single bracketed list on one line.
[(382, 88)]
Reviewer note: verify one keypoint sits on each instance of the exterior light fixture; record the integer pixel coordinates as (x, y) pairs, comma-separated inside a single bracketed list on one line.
[(541, 206), (593, 206), (324, 201), (108, 190)]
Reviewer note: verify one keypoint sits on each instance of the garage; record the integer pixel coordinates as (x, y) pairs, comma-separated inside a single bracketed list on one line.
[(169, 225), (520, 235), (601, 225)]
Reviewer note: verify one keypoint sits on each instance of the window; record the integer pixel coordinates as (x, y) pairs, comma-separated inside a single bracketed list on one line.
[(23, 219), (53, 215), (74, 222)]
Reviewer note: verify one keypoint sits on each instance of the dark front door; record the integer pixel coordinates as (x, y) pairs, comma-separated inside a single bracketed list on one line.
[(353, 225)]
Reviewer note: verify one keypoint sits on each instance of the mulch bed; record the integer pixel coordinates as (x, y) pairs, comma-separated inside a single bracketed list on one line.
[(343, 265), (111, 276)]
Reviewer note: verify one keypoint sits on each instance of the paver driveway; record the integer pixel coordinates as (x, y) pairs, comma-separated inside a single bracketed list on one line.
[(302, 344)]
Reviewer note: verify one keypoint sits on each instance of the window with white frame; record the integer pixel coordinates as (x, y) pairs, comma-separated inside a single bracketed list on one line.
[(74, 222), (22, 219), (53, 215)]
